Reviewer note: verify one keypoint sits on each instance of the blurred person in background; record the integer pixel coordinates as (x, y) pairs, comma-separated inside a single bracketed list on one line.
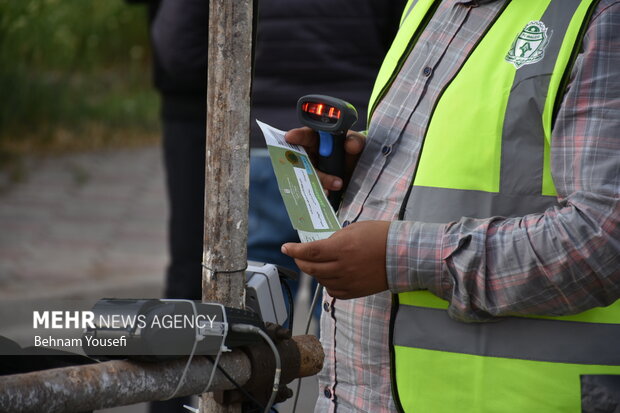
[(325, 47)]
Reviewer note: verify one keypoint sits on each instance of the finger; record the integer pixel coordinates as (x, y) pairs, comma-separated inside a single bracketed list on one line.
[(329, 182), (354, 144), (353, 147), (316, 251), (324, 272), (302, 136)]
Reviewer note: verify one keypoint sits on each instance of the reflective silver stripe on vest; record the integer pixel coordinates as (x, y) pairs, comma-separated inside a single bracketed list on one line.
[(523, 133), (515, 338), (442, 205)]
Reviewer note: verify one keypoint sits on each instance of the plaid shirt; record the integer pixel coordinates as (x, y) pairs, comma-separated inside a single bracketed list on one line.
[(571, 254)]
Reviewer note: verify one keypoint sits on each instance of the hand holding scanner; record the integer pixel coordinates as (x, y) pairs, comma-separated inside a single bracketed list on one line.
[(331, 118)]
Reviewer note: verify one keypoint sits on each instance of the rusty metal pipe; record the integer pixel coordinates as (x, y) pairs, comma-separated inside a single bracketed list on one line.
[(120, 382)]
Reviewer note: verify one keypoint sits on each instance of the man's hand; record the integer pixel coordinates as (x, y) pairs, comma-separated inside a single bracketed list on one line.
[(350, 263), (309, 139)]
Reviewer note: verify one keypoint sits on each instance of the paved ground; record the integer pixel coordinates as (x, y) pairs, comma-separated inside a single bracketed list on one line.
[(89, 225), (83, 221)]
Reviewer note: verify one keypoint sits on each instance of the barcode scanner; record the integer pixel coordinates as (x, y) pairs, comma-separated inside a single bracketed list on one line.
[(331, 118)]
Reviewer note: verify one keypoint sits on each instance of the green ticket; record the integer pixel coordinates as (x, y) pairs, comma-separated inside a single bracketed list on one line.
[(307, 206)]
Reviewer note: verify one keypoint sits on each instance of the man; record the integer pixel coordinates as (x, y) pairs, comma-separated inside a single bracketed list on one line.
[(299, 50), (488, 186)]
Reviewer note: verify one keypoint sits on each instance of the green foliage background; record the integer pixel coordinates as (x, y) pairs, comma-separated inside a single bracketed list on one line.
[(73, 71)]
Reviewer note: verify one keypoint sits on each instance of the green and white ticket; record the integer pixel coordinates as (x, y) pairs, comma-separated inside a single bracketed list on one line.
[(307, 206)]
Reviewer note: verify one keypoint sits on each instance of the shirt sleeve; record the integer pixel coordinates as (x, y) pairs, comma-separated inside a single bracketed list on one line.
[(563, 261)]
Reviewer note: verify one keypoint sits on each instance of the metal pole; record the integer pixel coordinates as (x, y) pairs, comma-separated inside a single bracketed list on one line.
[(120, 382), (227, 159), (113, 383)]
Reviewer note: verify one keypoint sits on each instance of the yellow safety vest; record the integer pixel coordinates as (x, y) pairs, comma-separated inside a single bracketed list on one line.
[(486, 153)]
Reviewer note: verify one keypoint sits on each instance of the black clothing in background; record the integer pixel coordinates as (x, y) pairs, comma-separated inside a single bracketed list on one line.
[(332, 47)]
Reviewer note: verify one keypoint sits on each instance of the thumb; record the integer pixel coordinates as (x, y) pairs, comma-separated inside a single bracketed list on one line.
[(289, 248), (308, 251)]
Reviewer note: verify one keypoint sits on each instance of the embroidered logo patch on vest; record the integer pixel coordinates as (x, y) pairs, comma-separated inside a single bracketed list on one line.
[(529, 46)]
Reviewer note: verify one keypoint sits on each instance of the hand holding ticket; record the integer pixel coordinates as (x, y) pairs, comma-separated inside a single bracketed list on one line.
[(308, 208)]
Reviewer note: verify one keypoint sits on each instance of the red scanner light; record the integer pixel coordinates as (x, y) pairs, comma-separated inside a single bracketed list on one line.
[(320, 110)]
